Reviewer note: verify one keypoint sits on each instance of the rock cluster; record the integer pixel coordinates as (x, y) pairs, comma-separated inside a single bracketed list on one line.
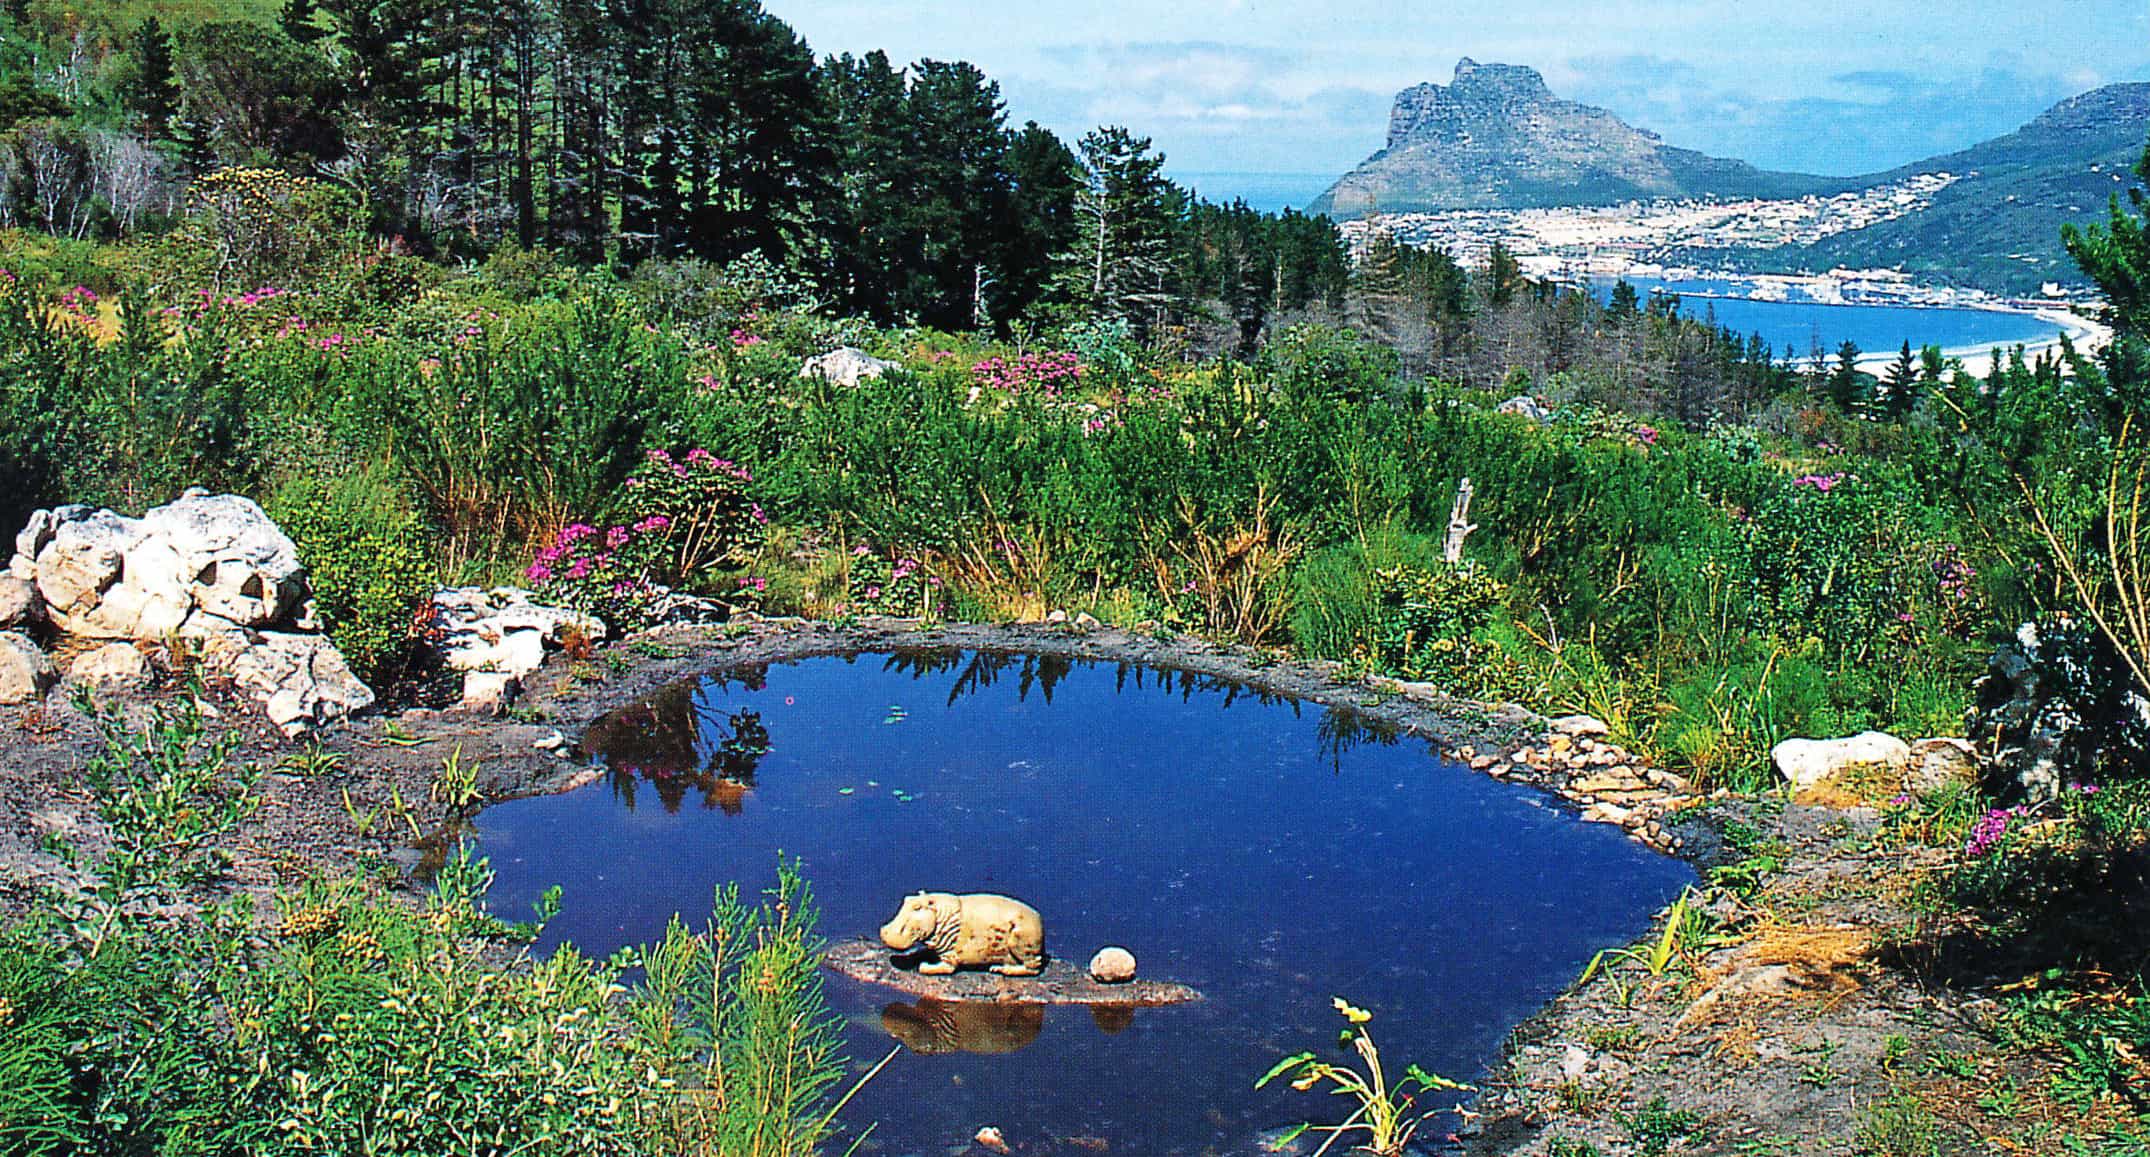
[(499, 637), (210, 572), (25, 671), (1525, 406), (1871, 766), (1611, 784)]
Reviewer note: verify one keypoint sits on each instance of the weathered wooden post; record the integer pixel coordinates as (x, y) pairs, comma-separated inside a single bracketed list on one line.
[(1459, 524)]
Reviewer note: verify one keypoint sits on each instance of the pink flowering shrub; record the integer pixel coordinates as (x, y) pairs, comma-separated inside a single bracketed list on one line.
[(881, 585), (678, 520), (1992, 829), (1046, 373)]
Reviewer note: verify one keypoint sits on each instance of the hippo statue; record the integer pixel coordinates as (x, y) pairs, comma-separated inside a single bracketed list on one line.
[(979, 930)]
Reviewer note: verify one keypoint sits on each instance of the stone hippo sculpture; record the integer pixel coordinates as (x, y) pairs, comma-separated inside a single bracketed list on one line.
[(979, 930)]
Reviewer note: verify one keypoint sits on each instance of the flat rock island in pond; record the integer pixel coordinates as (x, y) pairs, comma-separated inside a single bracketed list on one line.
[(1061, 981)]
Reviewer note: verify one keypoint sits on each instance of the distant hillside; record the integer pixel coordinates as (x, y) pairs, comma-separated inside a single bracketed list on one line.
[(1497, 137), (1999, 227)]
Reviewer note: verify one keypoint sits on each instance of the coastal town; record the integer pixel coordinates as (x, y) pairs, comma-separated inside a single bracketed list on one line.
[(1661, 240), (1664, 245)]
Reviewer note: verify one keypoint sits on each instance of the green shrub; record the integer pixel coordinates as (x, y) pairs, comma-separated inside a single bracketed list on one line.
[(1657, 1125), (1336, 611), (371, 561), (1431, 622), (38, 1031)]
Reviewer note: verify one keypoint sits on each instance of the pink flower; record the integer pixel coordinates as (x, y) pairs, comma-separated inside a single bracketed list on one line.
[(538, 573), (1986, 834), (616, 537)]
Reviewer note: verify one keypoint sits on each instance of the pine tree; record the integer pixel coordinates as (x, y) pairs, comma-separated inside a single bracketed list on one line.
[(1121, 263), (1503, 275), (2116, 256), (876, 180), (155, 93), (1901, 393), (964, 188), (1626, 303), (1377, 297), (1848, 387), (1044, 181)]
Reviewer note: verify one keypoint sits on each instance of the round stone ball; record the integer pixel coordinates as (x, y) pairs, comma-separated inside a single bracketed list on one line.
[(1112, 966)]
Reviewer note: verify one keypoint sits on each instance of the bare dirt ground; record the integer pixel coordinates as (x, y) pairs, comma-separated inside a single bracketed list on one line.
[(1787, 1025)]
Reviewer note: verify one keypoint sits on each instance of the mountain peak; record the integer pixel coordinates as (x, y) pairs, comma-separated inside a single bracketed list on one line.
[(1513, 80), (1497, 137)]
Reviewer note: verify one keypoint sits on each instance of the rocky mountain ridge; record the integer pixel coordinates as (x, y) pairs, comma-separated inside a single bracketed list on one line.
[(1498, 137)]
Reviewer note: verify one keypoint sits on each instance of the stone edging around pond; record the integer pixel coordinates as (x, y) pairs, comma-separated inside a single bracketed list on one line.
[(1568, 757)]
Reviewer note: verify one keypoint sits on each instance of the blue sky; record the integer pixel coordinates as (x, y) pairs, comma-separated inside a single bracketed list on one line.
[(1825, 86)]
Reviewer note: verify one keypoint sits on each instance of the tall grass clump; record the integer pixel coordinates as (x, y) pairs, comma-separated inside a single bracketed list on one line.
[(151, 1016)]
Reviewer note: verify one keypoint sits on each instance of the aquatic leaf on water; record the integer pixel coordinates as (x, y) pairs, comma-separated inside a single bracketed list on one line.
[(1282, 1067)]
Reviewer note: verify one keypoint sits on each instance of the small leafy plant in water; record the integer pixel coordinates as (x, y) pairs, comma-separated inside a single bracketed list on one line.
[(1386, 1115)]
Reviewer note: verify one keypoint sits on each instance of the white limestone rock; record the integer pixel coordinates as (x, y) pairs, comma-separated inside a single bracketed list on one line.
[(500, 637), (302, 681), (112, 667), (1112, 965), (1811, 765), (25, 671), (846, 366), (1941, 763), (20, 604)]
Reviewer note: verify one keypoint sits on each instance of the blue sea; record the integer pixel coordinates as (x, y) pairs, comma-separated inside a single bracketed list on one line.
[(1799, 326), (1268, 192)]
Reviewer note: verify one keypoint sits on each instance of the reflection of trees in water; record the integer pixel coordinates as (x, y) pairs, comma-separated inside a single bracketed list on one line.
[(976, 671), (1343, 732), (682, 739)]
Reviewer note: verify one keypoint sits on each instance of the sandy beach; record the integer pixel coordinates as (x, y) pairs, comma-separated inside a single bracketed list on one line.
[(2088, 334)]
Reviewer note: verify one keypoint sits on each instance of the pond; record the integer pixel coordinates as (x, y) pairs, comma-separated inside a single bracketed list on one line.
[(1272, 854)]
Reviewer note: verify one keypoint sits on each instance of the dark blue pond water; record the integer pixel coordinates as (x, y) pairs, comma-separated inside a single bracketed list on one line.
[(1272, 854)]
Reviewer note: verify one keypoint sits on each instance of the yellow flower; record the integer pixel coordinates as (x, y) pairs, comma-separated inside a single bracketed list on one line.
[(1352, 1013)]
